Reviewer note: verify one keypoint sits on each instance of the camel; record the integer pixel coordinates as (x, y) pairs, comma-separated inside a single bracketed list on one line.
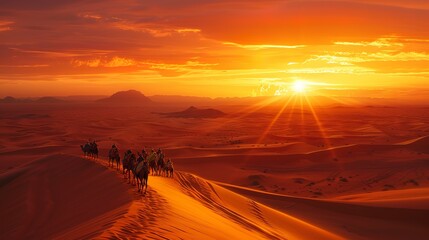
[(94, 149), (152, 162), (90, 149), (125, 161), (160, 164), (141, 174), (114, 156), (139, 167), (169, 168), (132, 164), (128, 163), (86, 149)]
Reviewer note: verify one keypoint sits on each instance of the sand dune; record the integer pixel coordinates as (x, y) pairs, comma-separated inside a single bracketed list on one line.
[(396, 215), (55, 197), (417, 198), (419, 144), (189, 207), (57, 194), (282, 152)]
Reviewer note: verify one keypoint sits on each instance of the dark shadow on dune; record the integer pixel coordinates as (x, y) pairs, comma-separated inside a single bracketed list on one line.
[(57, 194)]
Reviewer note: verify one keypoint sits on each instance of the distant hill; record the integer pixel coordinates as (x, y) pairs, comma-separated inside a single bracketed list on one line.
[(10, 99), (190, 100), (128, 97), (83, 98), (49, 100), (193, 112)]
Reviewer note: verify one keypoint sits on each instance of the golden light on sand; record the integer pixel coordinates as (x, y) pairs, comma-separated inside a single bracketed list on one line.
[(299, 86)]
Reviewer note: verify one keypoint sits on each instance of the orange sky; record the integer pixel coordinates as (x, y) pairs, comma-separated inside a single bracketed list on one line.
[(213, 48)]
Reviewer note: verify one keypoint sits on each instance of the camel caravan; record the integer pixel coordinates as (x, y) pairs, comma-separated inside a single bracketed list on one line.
[(90, 149), (135, 168)]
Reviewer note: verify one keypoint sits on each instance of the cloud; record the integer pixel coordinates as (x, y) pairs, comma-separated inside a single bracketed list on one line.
[(331, 70), (381, 42), (305, 22), (25, 66), (263, 46), (5, 25), (213, 42), (98, 62), (188, 30), (36, 5), (174, 70), (350, 58)]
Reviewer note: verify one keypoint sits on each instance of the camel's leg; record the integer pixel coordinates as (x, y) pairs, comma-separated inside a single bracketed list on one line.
[(129, 176), (138, 185), (142, 184)]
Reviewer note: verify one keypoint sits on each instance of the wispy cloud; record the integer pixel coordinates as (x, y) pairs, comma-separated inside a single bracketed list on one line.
[(74, 53), (379, 43), (347, 58), (26, 66), (98, 62), (331, 70), (263, 46), (5, 25)]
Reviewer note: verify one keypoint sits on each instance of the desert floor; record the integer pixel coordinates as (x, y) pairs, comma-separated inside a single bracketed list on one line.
[(258, 173)]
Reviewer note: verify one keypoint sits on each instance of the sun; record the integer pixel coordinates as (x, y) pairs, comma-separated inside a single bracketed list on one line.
[(299, 86)]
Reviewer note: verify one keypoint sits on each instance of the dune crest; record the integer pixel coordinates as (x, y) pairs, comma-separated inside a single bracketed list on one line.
[(190, 207)]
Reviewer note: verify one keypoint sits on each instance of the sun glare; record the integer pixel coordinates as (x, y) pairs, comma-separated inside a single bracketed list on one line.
[(299, 86)]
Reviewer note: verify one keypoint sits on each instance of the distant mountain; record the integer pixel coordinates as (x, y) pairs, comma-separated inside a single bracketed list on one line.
[(189, 100), (193, 112), (128, 97), (49, 100), (10, 99), (83, 98)]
